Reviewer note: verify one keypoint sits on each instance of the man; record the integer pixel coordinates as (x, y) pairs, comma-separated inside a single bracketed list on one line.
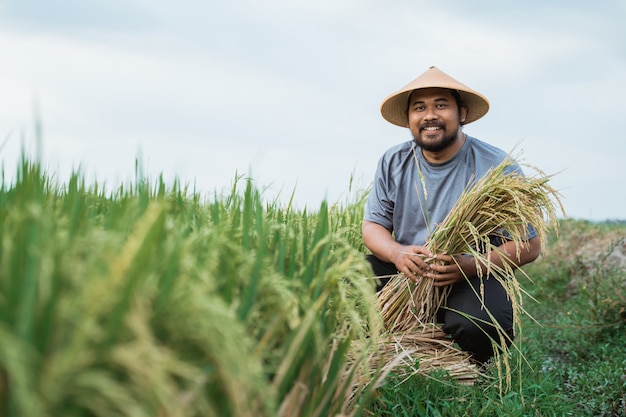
[(416, 185)]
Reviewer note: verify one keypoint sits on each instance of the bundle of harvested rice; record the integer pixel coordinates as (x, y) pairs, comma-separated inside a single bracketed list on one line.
[(501, 204), (425, 350)]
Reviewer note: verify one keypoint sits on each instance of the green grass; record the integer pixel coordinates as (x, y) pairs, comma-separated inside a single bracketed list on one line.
[(151, 300)]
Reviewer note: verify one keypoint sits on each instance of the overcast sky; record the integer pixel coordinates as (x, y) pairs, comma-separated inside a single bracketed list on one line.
[(289, 91)]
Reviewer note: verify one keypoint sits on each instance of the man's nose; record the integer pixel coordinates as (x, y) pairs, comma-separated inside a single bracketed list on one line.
[(430, 114)]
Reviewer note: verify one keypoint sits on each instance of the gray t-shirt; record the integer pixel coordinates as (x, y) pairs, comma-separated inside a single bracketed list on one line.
[(397, 200)]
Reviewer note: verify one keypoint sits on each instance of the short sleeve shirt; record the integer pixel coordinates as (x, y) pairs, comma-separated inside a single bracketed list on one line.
[(410, 195)]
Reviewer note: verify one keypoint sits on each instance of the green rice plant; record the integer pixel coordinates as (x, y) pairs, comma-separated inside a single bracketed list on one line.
[(151, 301)]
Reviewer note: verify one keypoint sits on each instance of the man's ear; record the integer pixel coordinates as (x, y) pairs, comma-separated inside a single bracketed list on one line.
[(463, 114)]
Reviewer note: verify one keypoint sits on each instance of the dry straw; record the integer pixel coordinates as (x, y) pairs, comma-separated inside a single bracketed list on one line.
[(502, 200)]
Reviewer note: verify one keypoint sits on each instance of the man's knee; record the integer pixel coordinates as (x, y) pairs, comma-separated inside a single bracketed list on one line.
[(383, 270), (476, 336)]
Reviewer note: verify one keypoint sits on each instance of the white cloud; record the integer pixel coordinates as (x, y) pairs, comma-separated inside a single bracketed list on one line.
[(290, 90)]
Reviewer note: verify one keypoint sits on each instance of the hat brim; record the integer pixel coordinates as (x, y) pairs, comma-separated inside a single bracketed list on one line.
[(394, 108)]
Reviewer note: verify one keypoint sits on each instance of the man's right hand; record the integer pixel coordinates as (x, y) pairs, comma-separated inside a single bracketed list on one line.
[(410, 260), (413, 261)]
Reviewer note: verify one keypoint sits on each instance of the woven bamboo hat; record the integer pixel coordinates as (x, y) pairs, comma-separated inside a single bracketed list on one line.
[(394, 108)]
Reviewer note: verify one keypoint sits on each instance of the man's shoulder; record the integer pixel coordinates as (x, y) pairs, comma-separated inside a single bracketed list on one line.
[(486, 151), (400, 148), (486, 156), (398, 153)]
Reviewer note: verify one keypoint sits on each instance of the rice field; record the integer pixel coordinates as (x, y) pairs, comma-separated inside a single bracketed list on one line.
[(152, 300)]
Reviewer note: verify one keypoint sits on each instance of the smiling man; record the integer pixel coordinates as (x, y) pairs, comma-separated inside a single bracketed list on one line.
[(415, 187)]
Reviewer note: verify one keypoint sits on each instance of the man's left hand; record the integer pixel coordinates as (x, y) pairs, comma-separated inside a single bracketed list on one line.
[(447, 270)]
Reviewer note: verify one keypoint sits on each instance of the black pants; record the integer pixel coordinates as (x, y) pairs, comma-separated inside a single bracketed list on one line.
[(464, 317)]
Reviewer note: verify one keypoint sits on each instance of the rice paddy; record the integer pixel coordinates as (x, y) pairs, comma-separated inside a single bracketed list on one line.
[(151, 300)]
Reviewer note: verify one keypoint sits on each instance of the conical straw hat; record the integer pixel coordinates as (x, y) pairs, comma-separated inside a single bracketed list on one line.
[(394, 108)]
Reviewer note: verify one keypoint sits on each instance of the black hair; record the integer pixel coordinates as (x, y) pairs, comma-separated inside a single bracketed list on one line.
[(457, 98)]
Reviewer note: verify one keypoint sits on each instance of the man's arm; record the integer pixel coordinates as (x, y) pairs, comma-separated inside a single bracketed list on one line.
[(407, 259)]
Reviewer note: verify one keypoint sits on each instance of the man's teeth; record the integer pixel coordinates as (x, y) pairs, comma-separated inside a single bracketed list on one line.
[(431, 128)]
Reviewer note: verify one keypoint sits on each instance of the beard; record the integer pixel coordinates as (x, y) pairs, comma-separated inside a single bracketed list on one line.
[(440, 145)]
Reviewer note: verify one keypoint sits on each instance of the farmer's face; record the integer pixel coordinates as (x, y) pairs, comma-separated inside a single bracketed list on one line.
[(434, 118)]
